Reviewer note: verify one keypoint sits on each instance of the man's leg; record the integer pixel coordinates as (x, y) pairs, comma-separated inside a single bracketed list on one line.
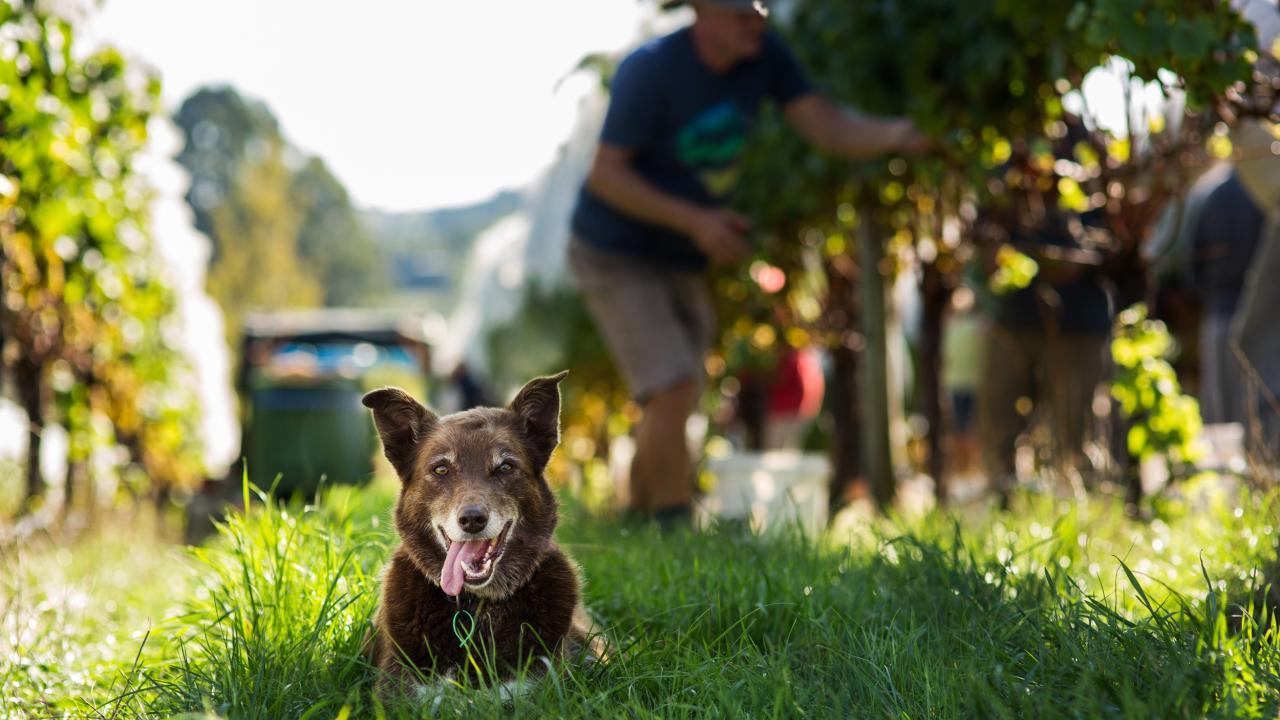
[(1075, 365), (1254, 328), (1215, 354), (656, 326), (1007, 375), (1222, 385), (964, 445), (661, 471)]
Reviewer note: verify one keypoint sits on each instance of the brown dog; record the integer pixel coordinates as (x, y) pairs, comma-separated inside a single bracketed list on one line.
[(475, 518)]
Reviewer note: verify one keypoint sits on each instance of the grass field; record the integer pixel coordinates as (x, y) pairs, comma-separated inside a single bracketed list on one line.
[(1049, 612)]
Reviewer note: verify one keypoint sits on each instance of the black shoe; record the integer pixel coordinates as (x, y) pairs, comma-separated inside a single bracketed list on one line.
[(673, 518)]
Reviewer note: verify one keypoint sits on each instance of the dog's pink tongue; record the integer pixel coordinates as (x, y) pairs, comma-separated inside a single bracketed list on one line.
[(452, 577)]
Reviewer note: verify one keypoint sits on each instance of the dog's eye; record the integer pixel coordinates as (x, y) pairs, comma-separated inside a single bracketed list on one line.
[(441, 470), (505, 467)]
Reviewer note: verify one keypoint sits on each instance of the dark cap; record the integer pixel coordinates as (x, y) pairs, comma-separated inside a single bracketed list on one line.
[(739, 5)]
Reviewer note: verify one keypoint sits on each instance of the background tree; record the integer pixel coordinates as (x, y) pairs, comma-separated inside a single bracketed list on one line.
[(224, 131), (86, 315), (332, 241), (259, 266), (234, 150), (976, 76)]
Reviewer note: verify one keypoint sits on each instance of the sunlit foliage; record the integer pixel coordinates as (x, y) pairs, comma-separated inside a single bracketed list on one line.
[(87, 319)]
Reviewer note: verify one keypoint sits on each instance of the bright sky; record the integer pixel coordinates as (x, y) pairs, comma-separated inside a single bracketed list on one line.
[(413, 103)]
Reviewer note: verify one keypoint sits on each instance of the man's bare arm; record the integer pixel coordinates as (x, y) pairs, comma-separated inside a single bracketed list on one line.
[(613, 180), (849, 134), (717, 232)]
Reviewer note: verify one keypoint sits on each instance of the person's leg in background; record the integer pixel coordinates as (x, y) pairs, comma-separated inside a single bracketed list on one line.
[(1256, 332), (1008, 374), (1074, 380), (785, 432), (657, 324), (964, 445), (661, 470), (1222, 378), (1215, 354)]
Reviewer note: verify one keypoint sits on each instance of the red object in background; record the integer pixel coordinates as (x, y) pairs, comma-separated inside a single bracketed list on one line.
[(797, 384), (769, 278)]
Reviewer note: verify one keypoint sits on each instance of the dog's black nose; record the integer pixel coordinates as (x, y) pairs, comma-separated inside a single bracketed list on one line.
[(473, 518)]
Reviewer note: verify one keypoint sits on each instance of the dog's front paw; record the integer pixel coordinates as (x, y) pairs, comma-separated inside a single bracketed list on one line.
[(433, 693)]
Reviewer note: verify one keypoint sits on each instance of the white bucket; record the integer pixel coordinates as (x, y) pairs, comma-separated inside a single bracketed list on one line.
[(1224, 448), (770, 490)]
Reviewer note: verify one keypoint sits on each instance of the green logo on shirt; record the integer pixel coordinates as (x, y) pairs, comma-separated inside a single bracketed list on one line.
[(711, 144)]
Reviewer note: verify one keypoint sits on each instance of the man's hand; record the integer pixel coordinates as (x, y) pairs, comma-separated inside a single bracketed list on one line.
[(850, 134), (908, 139), (719, 234)]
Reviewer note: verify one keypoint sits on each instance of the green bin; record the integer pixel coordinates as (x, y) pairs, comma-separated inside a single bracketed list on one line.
[(308, 430)]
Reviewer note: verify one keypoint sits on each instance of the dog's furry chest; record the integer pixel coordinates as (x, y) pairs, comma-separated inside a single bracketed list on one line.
[(416, 621)]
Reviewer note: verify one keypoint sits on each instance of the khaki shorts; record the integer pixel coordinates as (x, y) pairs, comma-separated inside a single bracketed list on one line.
[(658, 322)]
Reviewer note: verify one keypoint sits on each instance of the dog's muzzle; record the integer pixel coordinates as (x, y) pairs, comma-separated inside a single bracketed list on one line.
[(471, 560)]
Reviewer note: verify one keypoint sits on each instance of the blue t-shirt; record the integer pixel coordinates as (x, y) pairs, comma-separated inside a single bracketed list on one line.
[(1085, 304), (687, 126), (1226, 239)]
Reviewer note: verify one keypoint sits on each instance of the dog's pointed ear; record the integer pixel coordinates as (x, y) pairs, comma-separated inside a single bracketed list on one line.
[(537, 406), (402, 423)]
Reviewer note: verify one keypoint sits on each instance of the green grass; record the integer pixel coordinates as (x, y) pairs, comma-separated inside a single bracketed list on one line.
[(73, 619), (12, 482), (1047, 613)]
